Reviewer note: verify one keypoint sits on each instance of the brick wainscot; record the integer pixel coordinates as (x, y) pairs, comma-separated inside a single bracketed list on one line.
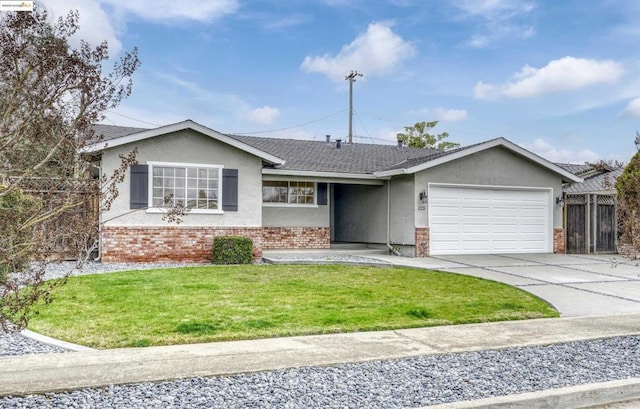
[(170, 243), (296, 238), (195, 244), (558, 240), (422, 242)]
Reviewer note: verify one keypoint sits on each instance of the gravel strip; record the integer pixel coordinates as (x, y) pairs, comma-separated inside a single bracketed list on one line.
[(408, 382), (14, 344)]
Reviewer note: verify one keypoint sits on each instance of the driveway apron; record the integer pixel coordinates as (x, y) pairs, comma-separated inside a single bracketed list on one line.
[(576, 285)]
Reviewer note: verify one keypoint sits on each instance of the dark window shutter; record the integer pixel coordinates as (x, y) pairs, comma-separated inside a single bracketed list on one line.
[(322, 194), (230, 189), (138, 197)]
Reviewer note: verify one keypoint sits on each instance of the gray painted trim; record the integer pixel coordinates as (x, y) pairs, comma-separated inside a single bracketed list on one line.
[(181, 126), (479, 148), (285, 172)]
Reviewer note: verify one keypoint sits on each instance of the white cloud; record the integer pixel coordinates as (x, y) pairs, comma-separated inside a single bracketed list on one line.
[(98, 24), (168, 10), (565, 74), (264, 115), (498, 19), (95, 24), (495, 9), (633, 107), (376, 52), (553, 154), (450, 115)]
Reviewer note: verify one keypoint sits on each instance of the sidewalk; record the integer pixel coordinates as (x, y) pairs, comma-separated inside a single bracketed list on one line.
[(58, 372)]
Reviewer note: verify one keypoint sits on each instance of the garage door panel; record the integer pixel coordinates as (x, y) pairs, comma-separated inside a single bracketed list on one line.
[(484, 220)]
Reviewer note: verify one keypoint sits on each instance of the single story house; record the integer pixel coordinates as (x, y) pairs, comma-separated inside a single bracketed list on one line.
[(491, 197)]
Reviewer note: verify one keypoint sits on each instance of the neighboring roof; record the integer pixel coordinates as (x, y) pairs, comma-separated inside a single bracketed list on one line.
[(319, 156), (602, 183), (419, 164), (577, 169), (123, 137)]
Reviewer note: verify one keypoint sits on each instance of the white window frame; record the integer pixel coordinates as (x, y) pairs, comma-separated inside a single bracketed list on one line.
[(152, 209), (277, 204)]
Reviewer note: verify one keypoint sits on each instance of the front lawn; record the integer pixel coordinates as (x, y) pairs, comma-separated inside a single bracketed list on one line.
[(216, 303)]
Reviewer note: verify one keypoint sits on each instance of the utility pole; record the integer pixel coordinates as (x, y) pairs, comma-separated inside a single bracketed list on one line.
[(351, 77)]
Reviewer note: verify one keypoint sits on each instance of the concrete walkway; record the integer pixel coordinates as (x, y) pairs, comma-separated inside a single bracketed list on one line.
[(576, 285), (58, 372)]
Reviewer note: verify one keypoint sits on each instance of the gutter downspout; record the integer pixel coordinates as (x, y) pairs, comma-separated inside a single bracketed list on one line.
[(389, 246), (99, 255)]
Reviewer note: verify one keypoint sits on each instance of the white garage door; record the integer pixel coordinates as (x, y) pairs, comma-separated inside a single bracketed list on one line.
[(468, 220)]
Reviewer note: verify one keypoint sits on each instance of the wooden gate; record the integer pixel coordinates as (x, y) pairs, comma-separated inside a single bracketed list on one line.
[(590, 224)]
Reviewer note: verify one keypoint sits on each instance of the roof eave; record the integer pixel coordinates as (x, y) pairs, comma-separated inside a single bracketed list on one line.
[(337, 175), (566, 176), (180, 126)]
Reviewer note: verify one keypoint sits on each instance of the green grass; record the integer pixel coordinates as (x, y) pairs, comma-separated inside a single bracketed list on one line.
[(215, 303)]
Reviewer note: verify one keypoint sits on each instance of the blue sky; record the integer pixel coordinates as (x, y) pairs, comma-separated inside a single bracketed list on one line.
[(560, 78)]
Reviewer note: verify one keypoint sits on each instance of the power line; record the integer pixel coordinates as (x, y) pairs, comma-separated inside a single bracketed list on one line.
[(133, 119), (289, 127)]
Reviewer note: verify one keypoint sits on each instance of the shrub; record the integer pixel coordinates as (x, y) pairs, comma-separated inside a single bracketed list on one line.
[(17, 229), (232, 250), (628, 210)]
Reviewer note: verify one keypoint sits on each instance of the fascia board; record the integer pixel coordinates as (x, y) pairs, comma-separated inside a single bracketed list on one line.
[(479, 148), (336, 175), (180, 126)]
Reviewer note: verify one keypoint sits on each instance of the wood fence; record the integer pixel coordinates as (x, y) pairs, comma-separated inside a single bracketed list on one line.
[(75, 230), (590, 224)]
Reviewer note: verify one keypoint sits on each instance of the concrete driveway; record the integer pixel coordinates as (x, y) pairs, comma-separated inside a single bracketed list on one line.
[(577, 285)]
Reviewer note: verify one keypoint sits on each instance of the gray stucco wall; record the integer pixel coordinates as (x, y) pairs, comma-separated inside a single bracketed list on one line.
[(295, 216), (193, 148), (360, 213), (493, 167), (402, 226)]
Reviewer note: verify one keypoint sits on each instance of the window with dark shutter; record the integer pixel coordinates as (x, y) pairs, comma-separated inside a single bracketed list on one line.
[(322, 194), (230, 189), (139, 187)]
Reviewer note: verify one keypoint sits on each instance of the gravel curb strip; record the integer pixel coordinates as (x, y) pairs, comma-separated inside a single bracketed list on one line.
[(582, 396)]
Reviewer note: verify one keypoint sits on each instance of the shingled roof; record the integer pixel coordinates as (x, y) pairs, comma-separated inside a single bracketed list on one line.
[(319, 156), (602, 183), (295, 155), (108, 132)]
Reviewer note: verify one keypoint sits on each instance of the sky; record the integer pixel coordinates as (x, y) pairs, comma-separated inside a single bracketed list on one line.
[(559, 78)]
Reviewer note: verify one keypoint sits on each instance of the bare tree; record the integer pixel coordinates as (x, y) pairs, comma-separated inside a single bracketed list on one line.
[(50, 95)]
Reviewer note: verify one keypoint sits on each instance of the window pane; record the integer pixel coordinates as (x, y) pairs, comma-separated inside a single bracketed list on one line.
[(192, 187), (274, 192)]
